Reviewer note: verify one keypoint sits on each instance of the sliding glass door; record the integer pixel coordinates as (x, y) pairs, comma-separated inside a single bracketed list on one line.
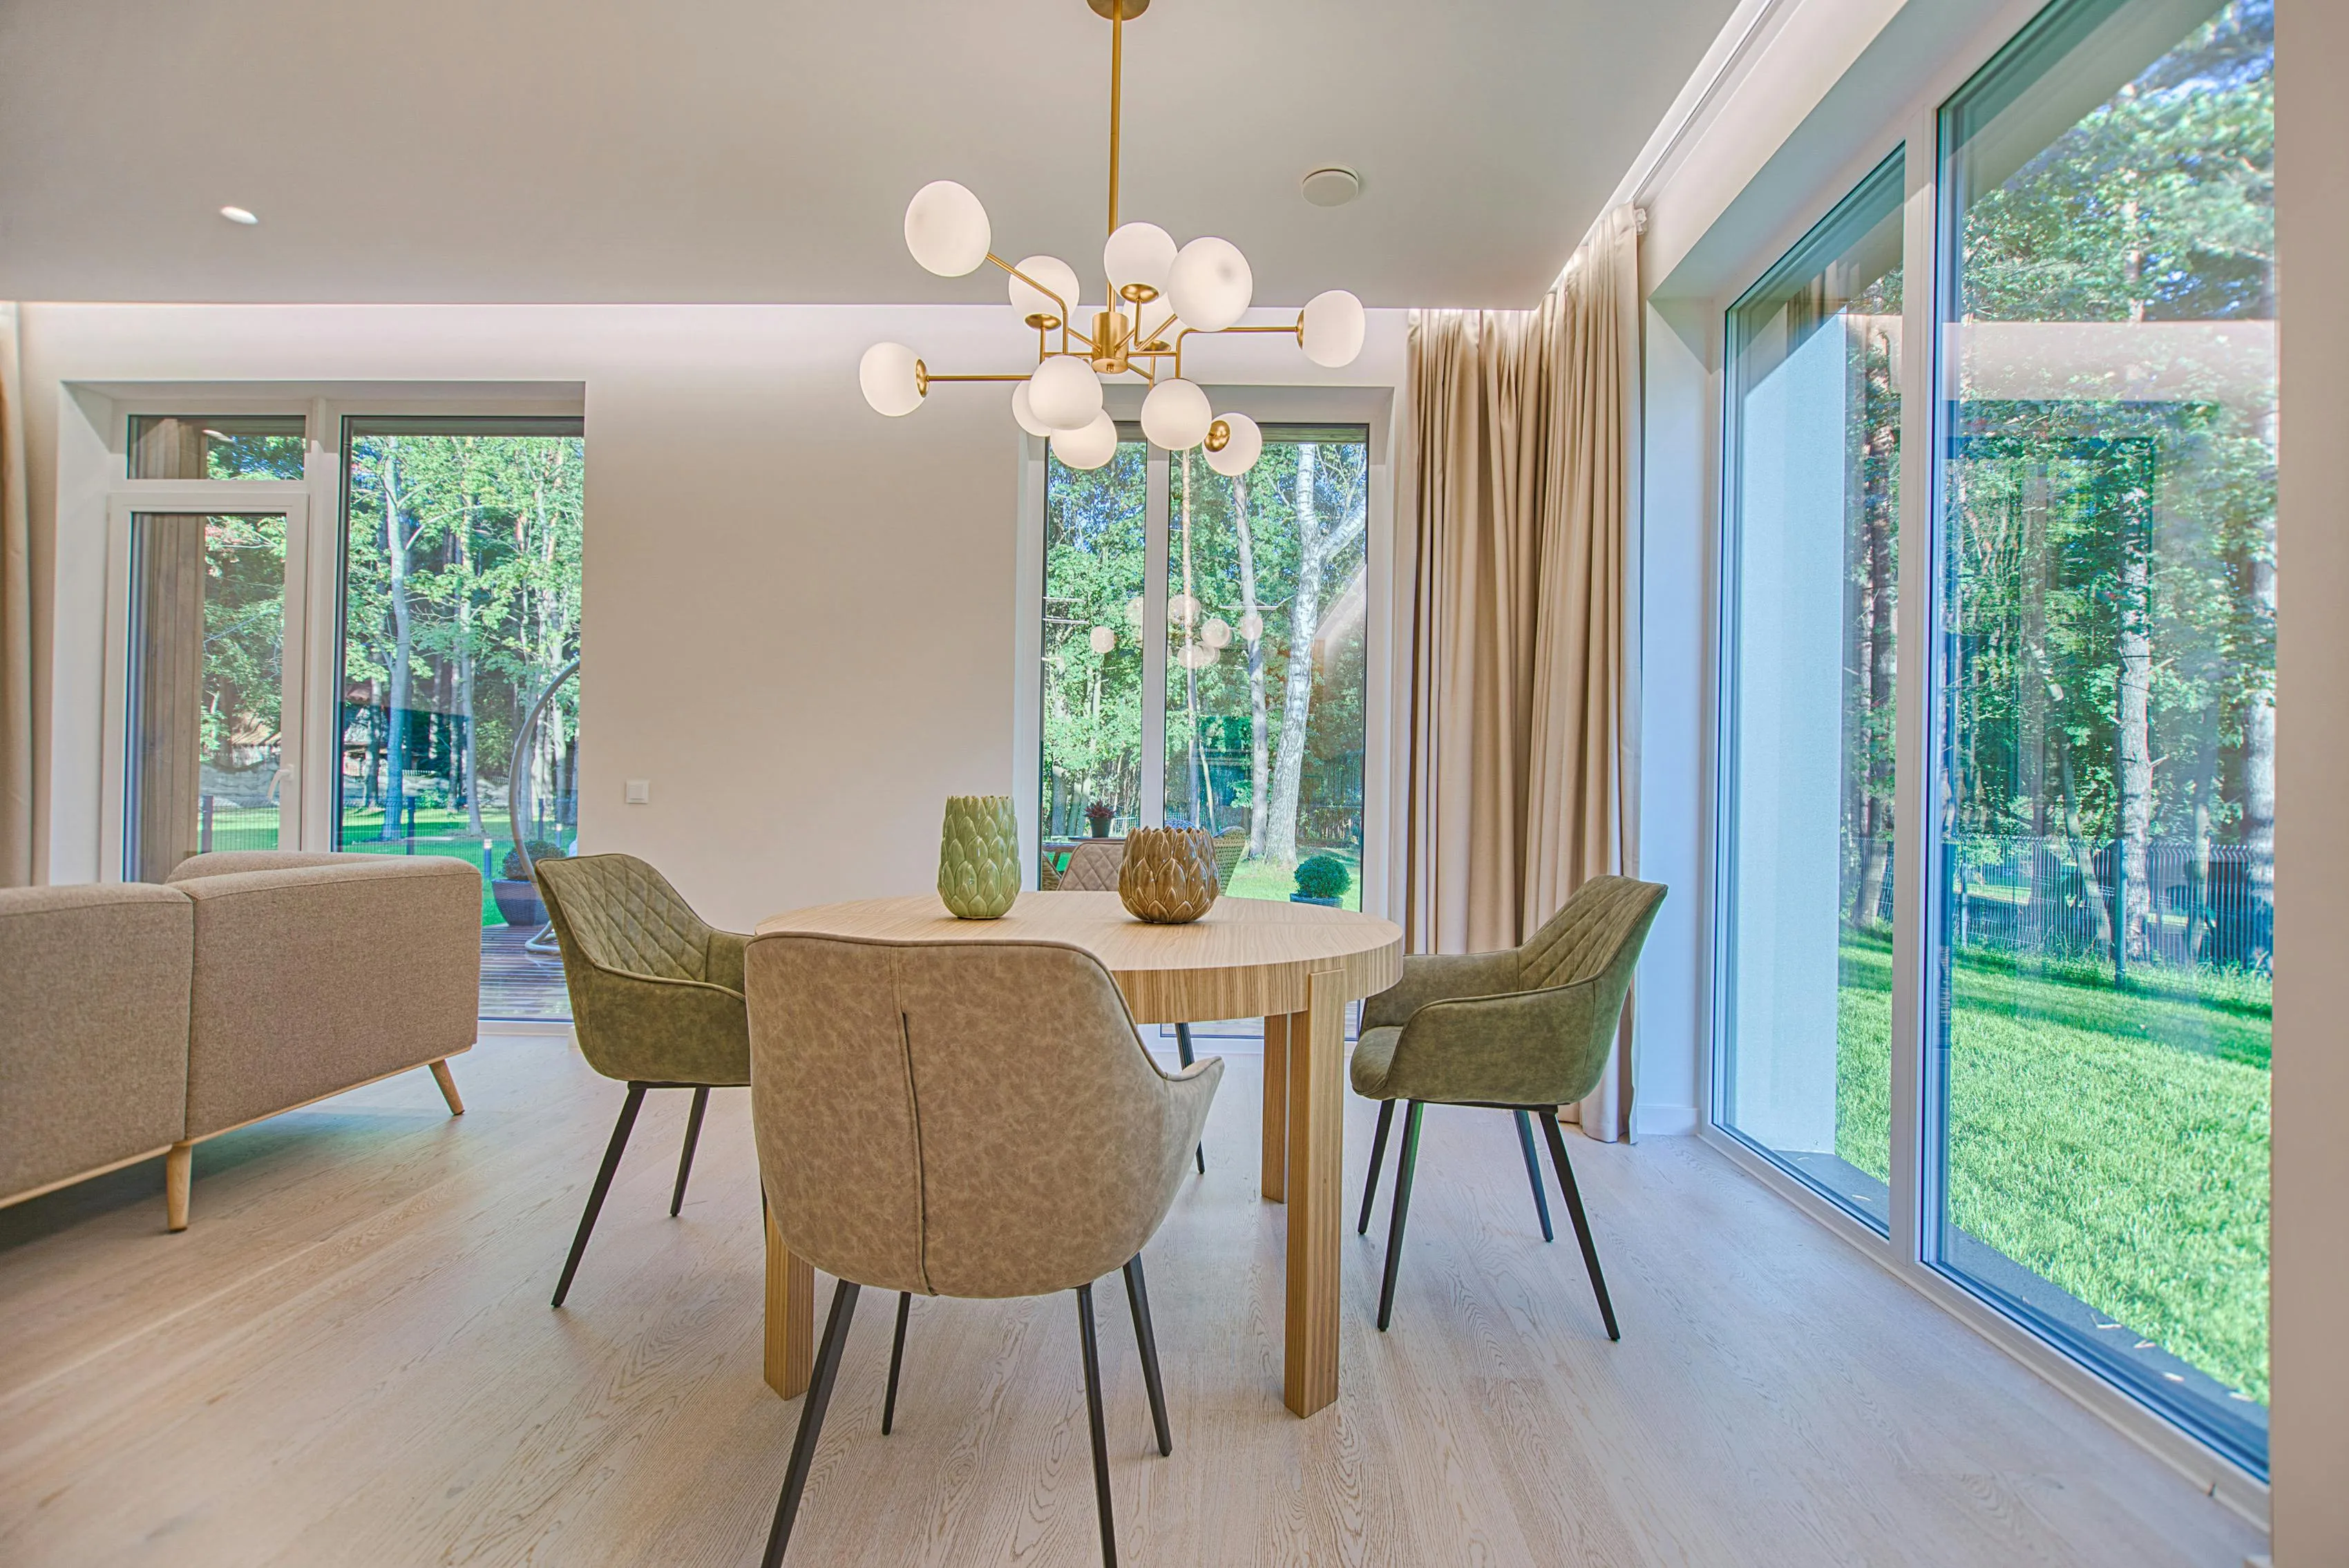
[(2103, 869), (2040, 1073), (1095, 569), (1808, 775)]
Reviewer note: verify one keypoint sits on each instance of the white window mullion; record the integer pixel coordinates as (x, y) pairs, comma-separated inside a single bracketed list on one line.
[(1152, 812)]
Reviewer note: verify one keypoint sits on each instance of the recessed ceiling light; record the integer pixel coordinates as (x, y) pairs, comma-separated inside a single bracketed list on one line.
[(1332, 187), (238, 215)]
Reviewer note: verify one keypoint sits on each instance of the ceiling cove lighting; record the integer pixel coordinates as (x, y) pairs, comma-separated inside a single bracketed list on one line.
[(239, 216), (1201, 287)]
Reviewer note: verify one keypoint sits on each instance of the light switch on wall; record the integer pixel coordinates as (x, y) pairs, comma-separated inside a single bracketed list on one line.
[(640, 791)]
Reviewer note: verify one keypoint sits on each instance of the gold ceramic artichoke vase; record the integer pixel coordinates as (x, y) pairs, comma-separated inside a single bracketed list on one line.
[(1168, 875), (978, 856)]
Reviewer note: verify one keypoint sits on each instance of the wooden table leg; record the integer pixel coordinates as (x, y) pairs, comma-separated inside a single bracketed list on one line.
[(791, 1317), (1273, 1181), (1317, 1053)]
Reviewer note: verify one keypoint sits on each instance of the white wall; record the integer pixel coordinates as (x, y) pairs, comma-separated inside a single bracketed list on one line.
[(800, 616)]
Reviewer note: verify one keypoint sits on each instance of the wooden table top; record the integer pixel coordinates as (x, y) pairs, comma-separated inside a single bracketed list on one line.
[(1245, 958)]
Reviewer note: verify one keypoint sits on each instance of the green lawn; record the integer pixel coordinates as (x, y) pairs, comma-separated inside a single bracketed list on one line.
[(2113, 1142), (440, 832), (1263, 879)]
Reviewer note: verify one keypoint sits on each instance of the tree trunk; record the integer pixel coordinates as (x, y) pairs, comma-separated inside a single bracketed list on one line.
[(1259, 719), (2133, 732), (1296, 697), (2260, 729), (468, 732), (395, 745)]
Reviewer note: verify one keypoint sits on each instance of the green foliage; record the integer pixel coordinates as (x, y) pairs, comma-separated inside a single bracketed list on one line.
[(244, 638), (1323, 876), (540, 850)]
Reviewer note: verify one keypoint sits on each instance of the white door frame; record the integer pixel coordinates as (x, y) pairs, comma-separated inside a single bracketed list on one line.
[(289, 499)]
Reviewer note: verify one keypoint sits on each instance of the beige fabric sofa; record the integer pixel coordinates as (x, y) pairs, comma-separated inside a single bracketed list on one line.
[(137, 1019)]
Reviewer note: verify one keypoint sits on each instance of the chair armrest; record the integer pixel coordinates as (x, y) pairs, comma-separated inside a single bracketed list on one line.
[(644, 1027), (1523, 1047), (1438, 976), (725, 958)]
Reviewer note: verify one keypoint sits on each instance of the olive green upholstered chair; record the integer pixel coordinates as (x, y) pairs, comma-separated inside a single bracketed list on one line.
[(1524, 1030), (975, 1120), (656, 1001)]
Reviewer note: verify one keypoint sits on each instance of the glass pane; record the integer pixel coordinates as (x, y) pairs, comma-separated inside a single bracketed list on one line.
[(207, 675), (1266, 590), (216, 446), (1091, 781), (1808, 897), (462, 604), (2106, 759)]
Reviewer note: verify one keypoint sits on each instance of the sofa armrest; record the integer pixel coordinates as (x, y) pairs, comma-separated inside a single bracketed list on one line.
[(1435, 977), (317, 977)]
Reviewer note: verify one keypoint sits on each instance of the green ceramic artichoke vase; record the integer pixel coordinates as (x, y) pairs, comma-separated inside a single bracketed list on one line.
[(978, 856)]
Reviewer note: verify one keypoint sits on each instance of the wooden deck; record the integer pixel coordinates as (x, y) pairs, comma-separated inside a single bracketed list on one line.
[(519, 984)]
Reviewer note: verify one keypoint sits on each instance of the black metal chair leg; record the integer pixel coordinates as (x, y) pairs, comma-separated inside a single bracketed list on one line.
[(1403, 1163), (1378, 1158), (818, 1396), (1581, 1220), (620, 1130), (1093, 1417), (897, 1359), (1183, 1053), (1533, 1170), (692, 1137), (1137, 1296)]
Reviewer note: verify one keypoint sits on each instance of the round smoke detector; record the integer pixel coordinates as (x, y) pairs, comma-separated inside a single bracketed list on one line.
[(1332, 187)]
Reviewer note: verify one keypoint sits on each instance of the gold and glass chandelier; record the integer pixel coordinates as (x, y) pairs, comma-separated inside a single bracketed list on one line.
[(1158, 296)]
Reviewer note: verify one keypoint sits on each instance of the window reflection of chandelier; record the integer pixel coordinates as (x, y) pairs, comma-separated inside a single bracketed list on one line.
[(1203, 287)]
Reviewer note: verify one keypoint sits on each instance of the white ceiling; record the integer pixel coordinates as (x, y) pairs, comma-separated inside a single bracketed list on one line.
[(694, 151)]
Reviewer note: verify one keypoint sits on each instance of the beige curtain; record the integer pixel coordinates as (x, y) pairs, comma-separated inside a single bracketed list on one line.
[(1522, 772), (15, 622)]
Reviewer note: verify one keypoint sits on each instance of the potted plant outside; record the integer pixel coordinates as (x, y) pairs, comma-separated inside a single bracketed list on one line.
[(1321, 879), (517, 895), (1098, 816)]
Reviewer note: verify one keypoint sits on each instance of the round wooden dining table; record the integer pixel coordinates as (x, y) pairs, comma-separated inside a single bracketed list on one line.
[(1295, 965)]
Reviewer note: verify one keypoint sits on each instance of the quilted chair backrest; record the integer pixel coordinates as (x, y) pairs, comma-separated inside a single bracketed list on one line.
[(1231, 844), (967, 1119), (1092, 866), (1600, 929), (622, 914)]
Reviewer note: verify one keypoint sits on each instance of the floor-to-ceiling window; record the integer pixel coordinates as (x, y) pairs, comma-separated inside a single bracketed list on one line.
[(1808, 775), (1263, 626), (2008, 1006), (2104, 775), (459, 699)]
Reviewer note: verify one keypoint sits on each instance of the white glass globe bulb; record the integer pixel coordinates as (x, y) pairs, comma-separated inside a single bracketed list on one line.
[(1088, 446), (1240, 452), (1175, 415), (1139, 253), (945, 228), (891, 383), (1134, 611), (1064, 393), (1217, 633), (1192, 656), (1024, 414), (1103, 639), (1209, 285), (1182, 609), (1333, 328), (1054, 274), (1252, 627)]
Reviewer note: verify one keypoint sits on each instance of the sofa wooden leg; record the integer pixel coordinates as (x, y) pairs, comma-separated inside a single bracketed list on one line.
[(448, 1086), (179, 1170)]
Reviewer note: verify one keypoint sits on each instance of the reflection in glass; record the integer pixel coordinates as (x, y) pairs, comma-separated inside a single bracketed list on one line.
[(207, 682), (1815, 357), (2106, 761), (216, 445), (1266, 593), (1093, 578)]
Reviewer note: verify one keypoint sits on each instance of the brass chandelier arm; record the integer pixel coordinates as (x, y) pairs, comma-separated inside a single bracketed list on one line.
[(1298, 331)]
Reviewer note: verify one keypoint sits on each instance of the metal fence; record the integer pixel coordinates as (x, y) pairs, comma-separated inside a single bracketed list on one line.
[(2206, 904)]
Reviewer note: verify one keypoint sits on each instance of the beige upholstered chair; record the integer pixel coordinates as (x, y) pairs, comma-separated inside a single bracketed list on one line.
[(1527, 1029), (656, 1001), (1092, 866), (964, 1120)]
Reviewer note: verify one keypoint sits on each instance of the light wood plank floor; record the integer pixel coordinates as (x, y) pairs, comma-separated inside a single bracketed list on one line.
[(349, 1359)]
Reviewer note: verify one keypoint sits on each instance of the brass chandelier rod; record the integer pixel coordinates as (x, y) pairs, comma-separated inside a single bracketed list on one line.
[(1116, 108)]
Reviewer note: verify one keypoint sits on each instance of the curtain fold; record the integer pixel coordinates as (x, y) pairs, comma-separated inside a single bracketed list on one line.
[(1522, 768), (16, 622)]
